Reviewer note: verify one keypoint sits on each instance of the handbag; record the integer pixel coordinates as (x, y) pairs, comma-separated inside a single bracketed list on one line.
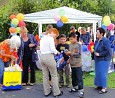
[(33, 41)]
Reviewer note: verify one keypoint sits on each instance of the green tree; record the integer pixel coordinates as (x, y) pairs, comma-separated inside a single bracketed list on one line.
[(99, 7)]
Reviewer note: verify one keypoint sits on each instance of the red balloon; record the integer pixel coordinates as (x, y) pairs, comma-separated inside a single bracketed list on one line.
[(21, 24), (92, 43), (12, 16), (90, 46)]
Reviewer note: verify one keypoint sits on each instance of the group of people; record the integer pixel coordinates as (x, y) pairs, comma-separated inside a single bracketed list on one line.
[(52, 44), (72, 55), (25, 48)]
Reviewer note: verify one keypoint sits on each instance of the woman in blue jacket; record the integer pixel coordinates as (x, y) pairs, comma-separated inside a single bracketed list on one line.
[(102, 51)]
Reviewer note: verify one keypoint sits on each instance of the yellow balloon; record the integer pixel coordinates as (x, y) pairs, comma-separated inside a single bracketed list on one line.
[(106, 17), (64, 19), (107, 22), (20, 17)]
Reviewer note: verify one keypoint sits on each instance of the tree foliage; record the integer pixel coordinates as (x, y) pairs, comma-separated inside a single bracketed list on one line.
[(99, 7)]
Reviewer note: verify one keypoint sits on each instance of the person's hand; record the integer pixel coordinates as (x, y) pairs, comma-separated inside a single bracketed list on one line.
[(62, 61), (68, 53), (97, 54), (58, 53), (91, 51), (82, 42), (75, 50), (2, 52), (31, 45), (38, 47), (68, 61), (13, 58)]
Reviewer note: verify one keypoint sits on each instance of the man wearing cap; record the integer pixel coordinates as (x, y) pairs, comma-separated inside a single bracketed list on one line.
[(73, 30)]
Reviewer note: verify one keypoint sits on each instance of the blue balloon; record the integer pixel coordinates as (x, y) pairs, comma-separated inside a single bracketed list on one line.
[(59, 23), (104, 27), (12, 25), (84, 48)]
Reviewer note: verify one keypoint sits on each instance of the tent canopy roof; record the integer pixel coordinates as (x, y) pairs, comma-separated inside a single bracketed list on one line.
[(74, 16)]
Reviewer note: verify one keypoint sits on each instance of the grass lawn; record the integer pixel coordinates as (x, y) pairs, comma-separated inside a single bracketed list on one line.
[(88, 79)]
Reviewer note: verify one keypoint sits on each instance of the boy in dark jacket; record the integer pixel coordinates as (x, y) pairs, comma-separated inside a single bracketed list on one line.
[(61, 48)]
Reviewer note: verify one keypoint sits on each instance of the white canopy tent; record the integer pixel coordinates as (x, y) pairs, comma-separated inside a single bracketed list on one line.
[(74, 16)]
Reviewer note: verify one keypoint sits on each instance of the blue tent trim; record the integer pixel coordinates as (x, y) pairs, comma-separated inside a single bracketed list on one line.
[(17, 87)]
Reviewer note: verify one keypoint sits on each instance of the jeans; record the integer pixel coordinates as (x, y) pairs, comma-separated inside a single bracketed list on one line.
[(2, 65), (77, 80)]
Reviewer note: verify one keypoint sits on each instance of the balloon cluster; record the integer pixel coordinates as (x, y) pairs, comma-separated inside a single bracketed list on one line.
[(91, 47), (61, 18), (16, 23), (107, 25)]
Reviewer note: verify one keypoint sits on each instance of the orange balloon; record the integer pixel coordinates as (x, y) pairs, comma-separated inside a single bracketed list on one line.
[(37, 37), (12, 16), (12, 30)]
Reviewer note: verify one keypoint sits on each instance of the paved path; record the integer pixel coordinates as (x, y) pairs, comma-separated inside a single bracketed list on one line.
[(37, 92)]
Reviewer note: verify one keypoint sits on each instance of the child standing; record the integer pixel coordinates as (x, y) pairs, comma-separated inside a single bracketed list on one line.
[(76, 65), (61, 48)]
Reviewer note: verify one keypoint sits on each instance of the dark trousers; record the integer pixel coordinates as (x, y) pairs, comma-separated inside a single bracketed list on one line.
[(77, 79), (67, 75), (26, 65)]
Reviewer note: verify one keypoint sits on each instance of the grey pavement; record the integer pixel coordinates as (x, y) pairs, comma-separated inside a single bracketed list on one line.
[(37, 92)]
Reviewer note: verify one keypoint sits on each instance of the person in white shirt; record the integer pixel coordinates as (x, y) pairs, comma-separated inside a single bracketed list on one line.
[(47, 48)]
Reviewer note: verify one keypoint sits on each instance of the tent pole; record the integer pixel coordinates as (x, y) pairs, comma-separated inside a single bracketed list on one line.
[(39, 29), (94, 31), (99, 23)]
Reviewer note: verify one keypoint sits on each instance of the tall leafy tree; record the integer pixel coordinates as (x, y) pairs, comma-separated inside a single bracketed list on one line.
[(99, 7)]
